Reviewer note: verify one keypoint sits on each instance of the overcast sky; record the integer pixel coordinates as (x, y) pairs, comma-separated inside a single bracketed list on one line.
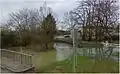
[(58, 6)]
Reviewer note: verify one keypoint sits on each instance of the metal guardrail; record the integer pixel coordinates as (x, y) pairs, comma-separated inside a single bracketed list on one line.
[(16, 52), (17, 56)]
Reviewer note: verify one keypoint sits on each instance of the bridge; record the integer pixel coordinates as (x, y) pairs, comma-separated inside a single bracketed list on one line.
[(16, 62)]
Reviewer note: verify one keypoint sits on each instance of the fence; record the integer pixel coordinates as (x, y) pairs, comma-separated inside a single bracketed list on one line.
[(16, 56)]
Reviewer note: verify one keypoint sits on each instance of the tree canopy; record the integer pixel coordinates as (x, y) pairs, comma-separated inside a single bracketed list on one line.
[(48, 30)]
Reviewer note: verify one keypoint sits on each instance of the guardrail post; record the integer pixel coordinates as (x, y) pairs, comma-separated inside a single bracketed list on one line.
[(21, 58), (25, 59), (31, 61), (14, 57), (17, 56), (28, 60)]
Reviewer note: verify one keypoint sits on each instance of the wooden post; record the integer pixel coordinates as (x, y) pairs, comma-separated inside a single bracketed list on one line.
[(14, 56), (26, 59), (21, 58), (31, 61), (28, 62)]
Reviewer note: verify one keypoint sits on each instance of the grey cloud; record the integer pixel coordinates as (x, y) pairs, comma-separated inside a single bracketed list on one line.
[(58, 6)]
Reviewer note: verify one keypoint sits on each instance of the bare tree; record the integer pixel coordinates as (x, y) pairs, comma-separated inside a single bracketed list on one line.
[(67, 21), (96, 15), (27, 22)]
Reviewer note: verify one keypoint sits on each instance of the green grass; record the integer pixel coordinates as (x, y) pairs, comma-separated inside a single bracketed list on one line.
[(46, 62), (84, 65), (42, 59)]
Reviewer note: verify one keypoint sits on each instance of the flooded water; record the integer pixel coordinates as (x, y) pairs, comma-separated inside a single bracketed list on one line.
[(65, 51)]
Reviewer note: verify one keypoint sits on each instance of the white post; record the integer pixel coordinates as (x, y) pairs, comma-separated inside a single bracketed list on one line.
[(74, 52)]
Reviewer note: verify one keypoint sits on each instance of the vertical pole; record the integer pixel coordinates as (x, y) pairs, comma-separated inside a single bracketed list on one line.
[(14, 56), (21, 58), (28, 62), (25, 59), (73, 51), (31, 59)]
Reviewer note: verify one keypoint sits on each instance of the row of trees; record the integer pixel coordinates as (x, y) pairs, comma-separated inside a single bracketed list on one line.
[(29, 26), (96, 17), (38, 26)]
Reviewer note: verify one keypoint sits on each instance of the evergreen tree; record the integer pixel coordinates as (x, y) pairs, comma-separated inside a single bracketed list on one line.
[(48, 30)]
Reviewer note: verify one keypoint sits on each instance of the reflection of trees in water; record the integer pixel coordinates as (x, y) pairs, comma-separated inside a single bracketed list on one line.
[(97, 53), (102, 54)]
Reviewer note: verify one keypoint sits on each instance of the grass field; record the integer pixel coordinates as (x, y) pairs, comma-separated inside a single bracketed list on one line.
[(46, 62), (43, 59)]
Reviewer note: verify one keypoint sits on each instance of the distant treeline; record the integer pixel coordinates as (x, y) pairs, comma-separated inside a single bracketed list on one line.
[(27, 27)]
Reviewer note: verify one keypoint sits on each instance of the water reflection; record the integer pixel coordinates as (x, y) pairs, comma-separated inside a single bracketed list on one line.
[(64, 51)]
